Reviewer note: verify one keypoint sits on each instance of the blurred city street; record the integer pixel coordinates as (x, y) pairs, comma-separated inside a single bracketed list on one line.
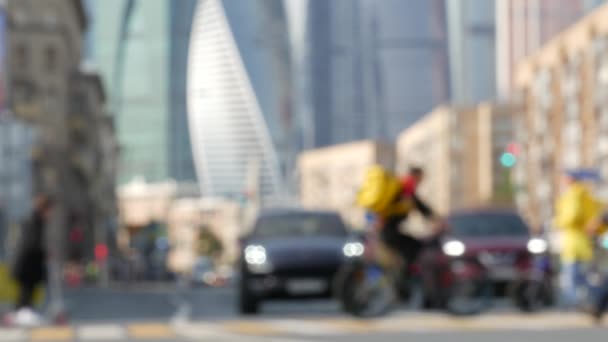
[(191, 170), (148, 315)]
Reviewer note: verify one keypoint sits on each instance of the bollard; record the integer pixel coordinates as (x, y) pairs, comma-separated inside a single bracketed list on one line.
[(56, 305)]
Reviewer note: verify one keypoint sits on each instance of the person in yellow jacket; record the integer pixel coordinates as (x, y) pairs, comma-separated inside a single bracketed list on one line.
[(575, 209)]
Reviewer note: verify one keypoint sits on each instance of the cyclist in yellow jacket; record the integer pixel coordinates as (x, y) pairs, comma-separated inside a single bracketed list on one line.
[(575, 209)]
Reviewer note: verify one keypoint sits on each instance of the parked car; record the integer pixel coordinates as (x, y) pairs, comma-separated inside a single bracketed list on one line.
[(290, 253), (500, 241)]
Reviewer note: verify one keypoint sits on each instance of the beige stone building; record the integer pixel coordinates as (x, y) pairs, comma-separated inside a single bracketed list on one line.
[(459, 148), (563, 122), (189, 216), (330, 177)]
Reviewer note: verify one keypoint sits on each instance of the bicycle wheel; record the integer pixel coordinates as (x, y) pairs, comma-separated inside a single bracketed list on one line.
[(367, 291), (469, 296)]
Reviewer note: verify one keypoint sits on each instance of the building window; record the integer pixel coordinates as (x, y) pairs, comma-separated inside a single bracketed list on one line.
[(21, 56), (50, 59)]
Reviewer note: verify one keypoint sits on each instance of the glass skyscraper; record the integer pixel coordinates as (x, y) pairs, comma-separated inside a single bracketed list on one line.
[(141, 49), (472, 41), (239, 94), (375, 66)]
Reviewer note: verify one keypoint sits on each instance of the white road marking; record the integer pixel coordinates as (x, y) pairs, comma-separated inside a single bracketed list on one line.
[(12, 335), (100, 333), (305, 328)]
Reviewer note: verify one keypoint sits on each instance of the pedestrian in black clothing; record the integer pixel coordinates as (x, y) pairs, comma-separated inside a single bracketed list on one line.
[(30, 269)]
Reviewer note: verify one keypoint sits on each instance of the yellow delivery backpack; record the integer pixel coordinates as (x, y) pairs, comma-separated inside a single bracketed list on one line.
[(9, 289), (379, 190)]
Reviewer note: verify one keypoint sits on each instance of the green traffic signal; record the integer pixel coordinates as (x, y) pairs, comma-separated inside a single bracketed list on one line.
[(508, 160)]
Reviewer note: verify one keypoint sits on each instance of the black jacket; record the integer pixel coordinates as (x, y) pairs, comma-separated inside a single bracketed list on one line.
[(30, 262)]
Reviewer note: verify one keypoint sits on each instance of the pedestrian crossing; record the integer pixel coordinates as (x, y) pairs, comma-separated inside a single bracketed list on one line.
[(297, 330)]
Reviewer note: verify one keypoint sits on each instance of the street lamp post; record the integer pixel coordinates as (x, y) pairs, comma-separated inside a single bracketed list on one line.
[(4, 183)]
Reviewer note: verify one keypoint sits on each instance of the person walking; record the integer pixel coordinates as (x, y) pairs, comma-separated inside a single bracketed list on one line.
[(30, 269), (575, 209)]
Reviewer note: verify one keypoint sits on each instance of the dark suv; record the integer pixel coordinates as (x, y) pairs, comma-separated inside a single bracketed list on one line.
[(290, 254)]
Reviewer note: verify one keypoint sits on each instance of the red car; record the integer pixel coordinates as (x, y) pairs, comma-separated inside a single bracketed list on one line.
[(499, 243)]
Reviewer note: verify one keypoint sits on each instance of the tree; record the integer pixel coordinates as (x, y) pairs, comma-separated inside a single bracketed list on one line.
[(208, 243)]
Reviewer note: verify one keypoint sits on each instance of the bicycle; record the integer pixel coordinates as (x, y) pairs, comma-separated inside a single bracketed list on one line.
[(373, 284)]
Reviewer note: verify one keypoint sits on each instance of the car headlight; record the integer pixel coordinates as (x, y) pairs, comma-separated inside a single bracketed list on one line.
[(257, 259), (537, 246), (255, 255), (353, 249), (454, 248)]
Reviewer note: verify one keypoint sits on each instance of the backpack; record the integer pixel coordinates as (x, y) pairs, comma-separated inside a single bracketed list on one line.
[(379, 190)]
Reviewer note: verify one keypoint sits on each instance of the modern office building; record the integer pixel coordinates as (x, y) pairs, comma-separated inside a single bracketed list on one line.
[(239, 98), (375, 66), (141, 48), (471, 30), (181, 165), (297, 12)]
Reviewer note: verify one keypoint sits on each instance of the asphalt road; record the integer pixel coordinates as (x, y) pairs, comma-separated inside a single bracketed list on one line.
[(149, 314)]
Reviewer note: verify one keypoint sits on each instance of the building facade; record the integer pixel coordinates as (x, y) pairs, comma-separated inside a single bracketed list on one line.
[(330, 177), (44, 53), (238, 99), (460, 148), (563, 122), (523, 26), (64, 105), (393, 55), (91, 171), (141, 48)]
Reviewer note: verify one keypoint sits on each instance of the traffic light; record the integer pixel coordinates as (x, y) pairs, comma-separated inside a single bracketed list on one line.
[(508, 160), (513, 148)]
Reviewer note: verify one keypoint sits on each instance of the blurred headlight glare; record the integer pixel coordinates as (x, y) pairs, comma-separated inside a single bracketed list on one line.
[(255, 255), (257, 260), (454, 248), (353, 249), (537, 246)]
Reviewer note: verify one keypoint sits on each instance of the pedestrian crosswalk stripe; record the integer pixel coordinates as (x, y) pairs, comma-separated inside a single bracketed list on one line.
[(54, 334), (305, 328), (101, 333), (254, 328), (150, 331), (350, 325), (11, 335)]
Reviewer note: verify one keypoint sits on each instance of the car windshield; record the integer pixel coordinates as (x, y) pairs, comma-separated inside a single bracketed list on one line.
[(300, 225), (483, 225)]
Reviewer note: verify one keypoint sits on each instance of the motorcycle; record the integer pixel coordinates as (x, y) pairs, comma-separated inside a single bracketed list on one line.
[(369, 286)]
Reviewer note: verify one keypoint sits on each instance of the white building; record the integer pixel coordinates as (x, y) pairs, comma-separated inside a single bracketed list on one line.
[(239, 98)]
